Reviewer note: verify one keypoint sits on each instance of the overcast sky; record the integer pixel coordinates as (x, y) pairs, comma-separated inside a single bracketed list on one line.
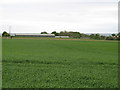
[(35, 16)]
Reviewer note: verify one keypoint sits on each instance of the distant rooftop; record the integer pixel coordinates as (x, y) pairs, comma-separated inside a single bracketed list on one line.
[(31, 34)]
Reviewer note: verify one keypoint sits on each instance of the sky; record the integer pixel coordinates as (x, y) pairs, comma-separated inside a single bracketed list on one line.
[(35, 16)]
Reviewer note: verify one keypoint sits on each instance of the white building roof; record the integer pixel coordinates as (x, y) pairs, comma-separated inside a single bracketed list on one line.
[(61, 36), (34, 34)]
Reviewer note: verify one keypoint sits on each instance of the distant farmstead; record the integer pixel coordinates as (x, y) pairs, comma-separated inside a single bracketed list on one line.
[(33, 35), (61, 36)]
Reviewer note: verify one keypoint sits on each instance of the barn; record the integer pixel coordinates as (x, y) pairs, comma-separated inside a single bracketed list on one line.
[(33, 35)]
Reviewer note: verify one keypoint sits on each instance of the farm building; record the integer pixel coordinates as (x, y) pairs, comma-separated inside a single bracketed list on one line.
[(33, 35), (61, 36)]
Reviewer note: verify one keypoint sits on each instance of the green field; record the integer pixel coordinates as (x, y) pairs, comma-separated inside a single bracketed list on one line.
[(31, 63)]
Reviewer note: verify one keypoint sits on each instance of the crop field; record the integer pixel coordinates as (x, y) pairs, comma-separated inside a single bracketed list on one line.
[(32, 63)]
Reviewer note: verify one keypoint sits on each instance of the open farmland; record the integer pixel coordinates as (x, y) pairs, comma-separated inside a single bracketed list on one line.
[(31, 63)]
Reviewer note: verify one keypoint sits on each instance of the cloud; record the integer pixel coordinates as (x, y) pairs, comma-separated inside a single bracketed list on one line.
[(51, 1), (50, 16)]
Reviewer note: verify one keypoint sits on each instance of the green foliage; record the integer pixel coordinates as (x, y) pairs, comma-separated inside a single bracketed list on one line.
[(5, 34), (118, 34), (34, 63), (113, 35), (95, 36), (64, 33), (84, 35), (54, 32), (102, 37), (109, 38), (70, 34), (44, 32), (75, 34)]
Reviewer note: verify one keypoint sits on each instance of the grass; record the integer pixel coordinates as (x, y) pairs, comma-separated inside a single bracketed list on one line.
[(31, 63)]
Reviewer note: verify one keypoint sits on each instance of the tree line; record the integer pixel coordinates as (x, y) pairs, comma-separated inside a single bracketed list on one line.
[(72, 34)]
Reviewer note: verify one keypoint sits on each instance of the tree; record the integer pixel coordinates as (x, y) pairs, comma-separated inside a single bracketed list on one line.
[(44, 32), (84, 35), (5, 34), (64, 33), (118, 34), (75, 34), (54, 32), (92, 36), (102, 37), (70, 34), (109, 38), (113, 35), (95, 36)]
